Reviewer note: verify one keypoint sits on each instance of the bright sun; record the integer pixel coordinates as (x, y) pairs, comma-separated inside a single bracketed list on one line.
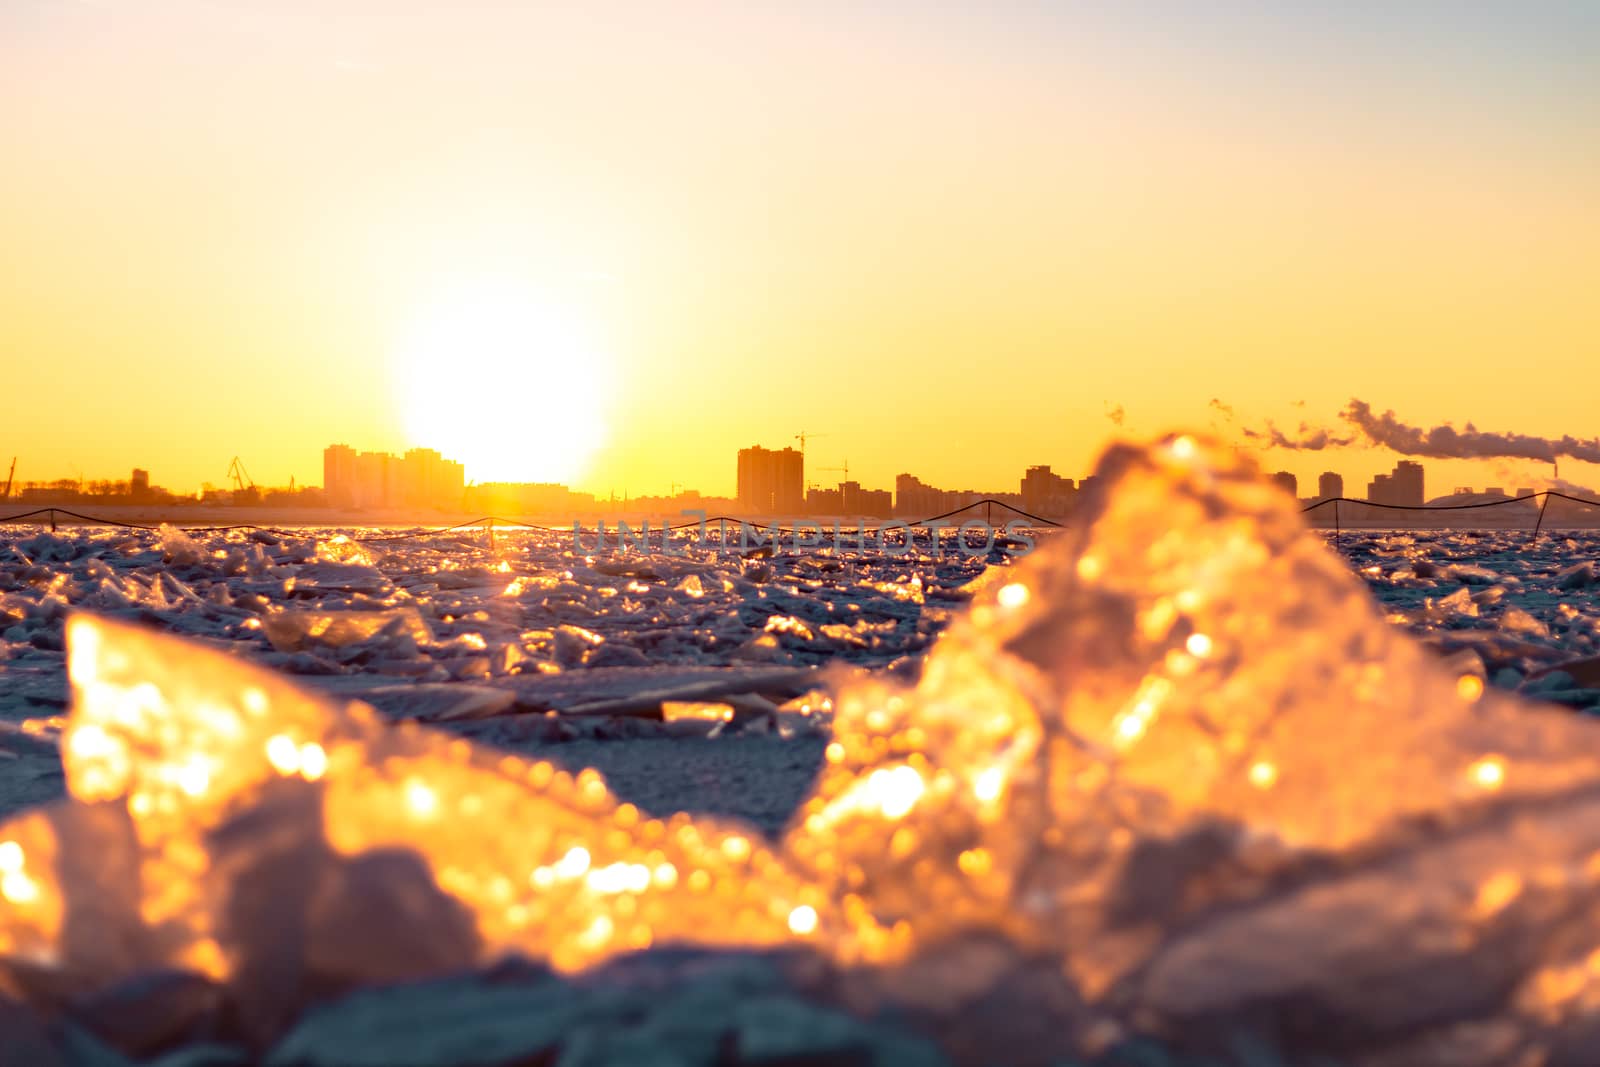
[(503, 379)]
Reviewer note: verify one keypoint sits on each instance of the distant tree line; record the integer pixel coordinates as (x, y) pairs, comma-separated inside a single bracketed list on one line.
[(115, 491)]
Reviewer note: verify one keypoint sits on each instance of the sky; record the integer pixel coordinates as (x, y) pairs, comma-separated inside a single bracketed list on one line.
[(612, 244)]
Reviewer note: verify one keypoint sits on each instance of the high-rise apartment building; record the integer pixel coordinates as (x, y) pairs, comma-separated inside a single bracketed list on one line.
[(772, 482), (339, 475), (1046, 493), (1402, 486), (422, 478)]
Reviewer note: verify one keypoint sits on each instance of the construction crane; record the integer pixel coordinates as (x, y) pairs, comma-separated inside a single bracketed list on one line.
[(803, 437), (845, 469), (244, 487), (241, 477), (9, 479)]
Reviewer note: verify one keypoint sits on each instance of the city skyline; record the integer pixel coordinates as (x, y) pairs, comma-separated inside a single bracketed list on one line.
[(1311, 467), (771, 482)]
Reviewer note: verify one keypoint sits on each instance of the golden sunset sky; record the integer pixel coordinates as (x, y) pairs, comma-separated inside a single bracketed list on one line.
[(612, 244)]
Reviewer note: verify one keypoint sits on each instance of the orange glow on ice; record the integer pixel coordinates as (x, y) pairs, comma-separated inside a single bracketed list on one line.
[(1049, 748)]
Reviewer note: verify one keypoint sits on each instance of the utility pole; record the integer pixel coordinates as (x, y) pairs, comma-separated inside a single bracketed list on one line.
[(9, 478)]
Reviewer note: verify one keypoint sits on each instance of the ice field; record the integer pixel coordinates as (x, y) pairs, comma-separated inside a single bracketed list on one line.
[(483, 639), (1181, 786)]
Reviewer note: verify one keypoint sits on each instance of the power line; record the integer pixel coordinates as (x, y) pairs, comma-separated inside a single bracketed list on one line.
[(490, 521), (1545, 493)]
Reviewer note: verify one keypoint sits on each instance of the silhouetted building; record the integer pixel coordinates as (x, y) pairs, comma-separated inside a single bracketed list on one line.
[(855, 500), (1047, 493), (913, 497), (1330, 485), (825, 501), (339, 475), (525, 498), (1407, 480), (139, 484), (789, 490), (771, 481), (1403, 485), (375, 479), (426, 479), (1288, 482), (421, 479)]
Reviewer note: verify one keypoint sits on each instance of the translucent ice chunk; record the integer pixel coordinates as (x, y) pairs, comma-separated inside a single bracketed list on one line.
[(178, 548), (1182, 752), (241, 795), (291, 631), (340, 549)]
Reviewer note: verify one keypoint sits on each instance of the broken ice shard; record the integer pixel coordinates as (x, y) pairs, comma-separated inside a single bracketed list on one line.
[(1182, 753), (237, 804), (292, 631)]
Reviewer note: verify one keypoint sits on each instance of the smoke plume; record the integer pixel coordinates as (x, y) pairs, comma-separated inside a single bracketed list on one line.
[(1447, 442), (1306, 439), (1518, 475)]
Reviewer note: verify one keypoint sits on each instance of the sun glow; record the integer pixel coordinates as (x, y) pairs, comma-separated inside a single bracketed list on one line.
[(504, 378)]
